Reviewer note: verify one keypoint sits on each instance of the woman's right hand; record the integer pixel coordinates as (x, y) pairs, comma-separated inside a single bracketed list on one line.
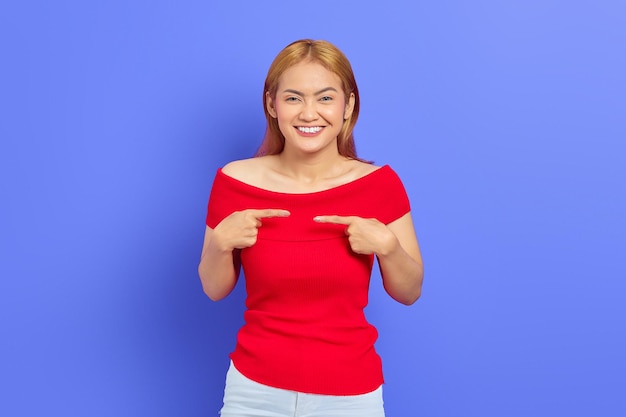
[(240, 229)]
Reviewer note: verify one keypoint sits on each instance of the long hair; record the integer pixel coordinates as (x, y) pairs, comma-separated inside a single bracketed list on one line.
[(332, 59)]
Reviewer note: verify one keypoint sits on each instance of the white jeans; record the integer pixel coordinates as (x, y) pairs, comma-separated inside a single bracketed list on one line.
[(246, 398)]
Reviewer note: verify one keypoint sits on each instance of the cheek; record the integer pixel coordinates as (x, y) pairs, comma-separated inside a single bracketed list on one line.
[(283, 117), (284, 121), (284, 112), (334, 112)]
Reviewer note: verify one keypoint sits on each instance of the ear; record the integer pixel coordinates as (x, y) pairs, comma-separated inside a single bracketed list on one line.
[(349, 107), (269, 103)]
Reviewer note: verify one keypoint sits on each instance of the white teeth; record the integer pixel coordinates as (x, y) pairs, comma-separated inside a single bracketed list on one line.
[(305, 129)]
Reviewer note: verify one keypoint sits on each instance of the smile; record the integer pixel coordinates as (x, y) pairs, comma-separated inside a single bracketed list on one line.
[(311, 129)]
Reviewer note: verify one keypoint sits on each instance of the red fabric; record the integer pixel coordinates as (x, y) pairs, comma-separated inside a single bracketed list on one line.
[(304, 325)]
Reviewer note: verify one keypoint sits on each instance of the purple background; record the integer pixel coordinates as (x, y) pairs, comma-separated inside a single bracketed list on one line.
[(505, 120)]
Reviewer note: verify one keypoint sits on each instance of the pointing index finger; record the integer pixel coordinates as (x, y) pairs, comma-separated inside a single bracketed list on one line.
[(346, 220), (266, 213)]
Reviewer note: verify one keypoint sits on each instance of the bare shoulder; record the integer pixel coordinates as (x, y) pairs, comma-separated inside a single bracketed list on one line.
[(361, 169), (248, 170)]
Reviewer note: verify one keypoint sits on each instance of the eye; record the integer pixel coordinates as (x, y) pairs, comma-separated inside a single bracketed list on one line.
[(292, 99), (326, 98)]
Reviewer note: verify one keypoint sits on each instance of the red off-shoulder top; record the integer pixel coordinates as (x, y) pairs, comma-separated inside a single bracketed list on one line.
[(305, 329)]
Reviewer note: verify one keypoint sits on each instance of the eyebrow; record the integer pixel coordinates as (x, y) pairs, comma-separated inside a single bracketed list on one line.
[(323, 90)]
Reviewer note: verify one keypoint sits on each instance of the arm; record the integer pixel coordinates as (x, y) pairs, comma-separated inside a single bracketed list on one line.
[(218, 269), (220, 262), (400, 262)]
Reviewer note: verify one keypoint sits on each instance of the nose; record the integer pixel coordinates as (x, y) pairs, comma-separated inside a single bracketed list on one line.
[(309, 112)]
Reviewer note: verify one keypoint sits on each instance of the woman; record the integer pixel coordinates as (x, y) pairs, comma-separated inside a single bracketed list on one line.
[(305, 218)]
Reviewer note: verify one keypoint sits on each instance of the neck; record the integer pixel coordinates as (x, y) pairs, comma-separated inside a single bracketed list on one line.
[(311, 168)]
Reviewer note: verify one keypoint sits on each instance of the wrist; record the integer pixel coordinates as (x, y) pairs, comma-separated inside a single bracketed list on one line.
[(218, 245), (389, 246)]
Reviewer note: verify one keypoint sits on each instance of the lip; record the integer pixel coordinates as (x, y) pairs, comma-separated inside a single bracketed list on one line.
[(309, 134)]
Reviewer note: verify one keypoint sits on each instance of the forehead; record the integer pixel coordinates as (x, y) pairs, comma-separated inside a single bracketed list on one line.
[(308, 75)]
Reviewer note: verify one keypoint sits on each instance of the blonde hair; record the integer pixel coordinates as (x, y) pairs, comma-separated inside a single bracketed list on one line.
[(329, 56)]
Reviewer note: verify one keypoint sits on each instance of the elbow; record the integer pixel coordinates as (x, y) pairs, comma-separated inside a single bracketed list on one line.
[(213, 295), (212, 291), (414, 298), (410, 299), (408, 293), (406, 297), (416, 292)]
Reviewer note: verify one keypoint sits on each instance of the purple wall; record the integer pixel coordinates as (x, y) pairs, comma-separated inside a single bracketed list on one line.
[(504, 119)]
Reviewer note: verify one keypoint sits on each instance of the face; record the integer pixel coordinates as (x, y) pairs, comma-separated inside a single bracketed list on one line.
[(310, 108)]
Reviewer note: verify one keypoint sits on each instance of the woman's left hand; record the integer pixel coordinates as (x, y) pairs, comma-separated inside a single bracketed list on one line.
[(366, 236)]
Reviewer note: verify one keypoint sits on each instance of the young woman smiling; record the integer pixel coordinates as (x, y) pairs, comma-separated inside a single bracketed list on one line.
[(305, 218)]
